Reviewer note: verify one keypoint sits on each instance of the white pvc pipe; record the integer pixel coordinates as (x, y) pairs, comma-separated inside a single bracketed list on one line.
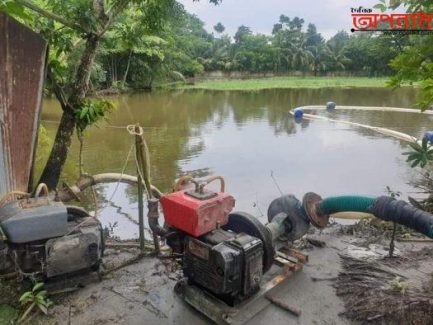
[(389, 132), (369, 108)]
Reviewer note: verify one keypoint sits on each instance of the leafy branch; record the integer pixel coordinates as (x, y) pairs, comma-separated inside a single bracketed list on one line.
[(381, 6), (30, 5), (421, 154), (90, 113)]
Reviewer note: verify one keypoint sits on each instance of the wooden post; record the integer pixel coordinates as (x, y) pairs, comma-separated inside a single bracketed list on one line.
[(144, 184), (139, 155), (140, 212)]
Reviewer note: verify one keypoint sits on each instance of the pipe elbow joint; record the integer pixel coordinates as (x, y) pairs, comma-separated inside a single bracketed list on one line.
[(153, 218)]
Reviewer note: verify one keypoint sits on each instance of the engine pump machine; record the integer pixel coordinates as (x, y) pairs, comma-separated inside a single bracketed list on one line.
[(225, 253)]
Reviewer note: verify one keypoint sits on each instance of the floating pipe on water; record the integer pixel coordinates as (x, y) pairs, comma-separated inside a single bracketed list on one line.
[(429, 136), (369, 108), (298, 113), (330, 106), (389, 132), (399, 135)]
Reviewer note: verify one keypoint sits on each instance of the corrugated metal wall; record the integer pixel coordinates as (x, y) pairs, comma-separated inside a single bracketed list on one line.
[(22, 73)]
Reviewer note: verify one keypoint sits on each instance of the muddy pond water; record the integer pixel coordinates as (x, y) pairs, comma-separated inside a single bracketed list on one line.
[(250, 140)]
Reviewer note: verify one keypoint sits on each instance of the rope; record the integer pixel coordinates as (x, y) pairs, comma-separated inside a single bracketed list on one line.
[(125, 164), (131, 129), (109, 126), (89, 218), (12, 195), (140, 174), (111, 197), (308, 107), (95, 201)]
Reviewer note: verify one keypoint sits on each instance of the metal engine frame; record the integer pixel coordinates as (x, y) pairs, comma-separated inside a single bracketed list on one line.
[(287, 261)]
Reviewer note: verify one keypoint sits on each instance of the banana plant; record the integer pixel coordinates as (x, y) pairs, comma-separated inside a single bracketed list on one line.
[(421, 154)]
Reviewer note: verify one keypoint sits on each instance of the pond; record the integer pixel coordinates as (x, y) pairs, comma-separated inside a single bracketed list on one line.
[(250, 140)]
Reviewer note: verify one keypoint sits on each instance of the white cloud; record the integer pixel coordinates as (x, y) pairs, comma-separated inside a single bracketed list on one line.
[(330, 16)]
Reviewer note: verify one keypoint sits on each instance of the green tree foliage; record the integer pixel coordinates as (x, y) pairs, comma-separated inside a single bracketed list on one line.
[(75, 31), (337, 59), (219, 28), (140, 51), (290, 44), (421, 154), (242, 32), (253, 53), (414, 65), (97, 45), (414, 62)]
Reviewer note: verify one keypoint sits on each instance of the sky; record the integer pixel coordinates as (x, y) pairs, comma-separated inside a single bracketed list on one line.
[(330, 16)]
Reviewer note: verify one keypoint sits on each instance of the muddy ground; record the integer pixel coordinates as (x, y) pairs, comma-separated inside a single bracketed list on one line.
[(142, 293)]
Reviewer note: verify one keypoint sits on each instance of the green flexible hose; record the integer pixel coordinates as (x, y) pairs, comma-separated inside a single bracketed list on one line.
[(347, 203), (384, 208)]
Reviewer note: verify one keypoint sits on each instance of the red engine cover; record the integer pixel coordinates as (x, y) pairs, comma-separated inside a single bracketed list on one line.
[(195, 216)]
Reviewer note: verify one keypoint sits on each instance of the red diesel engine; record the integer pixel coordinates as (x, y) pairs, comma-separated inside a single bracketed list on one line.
[(227, 263), (198, 211)]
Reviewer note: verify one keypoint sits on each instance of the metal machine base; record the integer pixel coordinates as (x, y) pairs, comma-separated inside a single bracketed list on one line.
[(289, 260)]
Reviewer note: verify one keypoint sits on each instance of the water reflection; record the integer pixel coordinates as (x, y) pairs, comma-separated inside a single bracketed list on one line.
[(245, 136)]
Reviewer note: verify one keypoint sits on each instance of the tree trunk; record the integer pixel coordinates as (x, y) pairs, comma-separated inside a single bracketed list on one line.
[(127, 68), (59, 152), (81, 84), (115, 69), (112, 69), (80, 136)]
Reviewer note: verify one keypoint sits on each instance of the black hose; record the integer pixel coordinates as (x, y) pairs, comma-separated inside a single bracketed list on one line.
[(389, 209)]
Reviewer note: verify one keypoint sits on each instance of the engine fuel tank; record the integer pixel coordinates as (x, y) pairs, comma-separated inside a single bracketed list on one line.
[(196, 213), (33, 219)]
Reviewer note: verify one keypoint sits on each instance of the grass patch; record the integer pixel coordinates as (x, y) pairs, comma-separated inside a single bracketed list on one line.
[(8, 314), (287, 82)]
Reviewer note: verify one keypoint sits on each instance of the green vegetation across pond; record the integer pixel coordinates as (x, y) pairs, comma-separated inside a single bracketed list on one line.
[(287, 82)]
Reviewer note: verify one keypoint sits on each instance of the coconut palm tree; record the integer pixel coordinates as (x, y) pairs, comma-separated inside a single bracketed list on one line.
[(319, 55)]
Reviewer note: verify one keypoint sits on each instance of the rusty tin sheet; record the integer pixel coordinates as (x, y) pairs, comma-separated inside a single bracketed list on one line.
[(22, 74)]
